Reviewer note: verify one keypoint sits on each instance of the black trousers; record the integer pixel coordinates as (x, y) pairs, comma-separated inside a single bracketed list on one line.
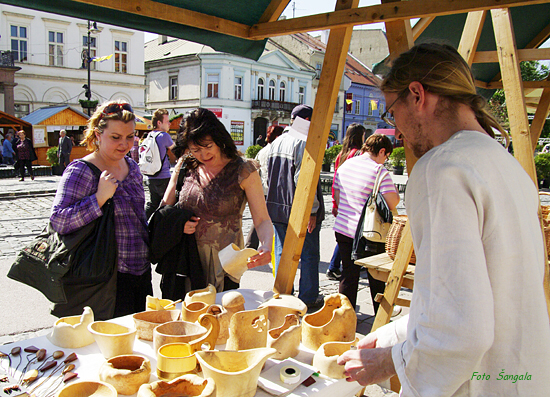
[(131, 293), (22, 164), (349, 281), (157, 187)]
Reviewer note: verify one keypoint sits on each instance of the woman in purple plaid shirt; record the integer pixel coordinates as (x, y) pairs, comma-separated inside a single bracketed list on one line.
[(80, 196)]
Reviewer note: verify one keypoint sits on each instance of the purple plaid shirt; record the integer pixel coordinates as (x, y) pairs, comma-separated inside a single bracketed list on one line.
[(75, 205)]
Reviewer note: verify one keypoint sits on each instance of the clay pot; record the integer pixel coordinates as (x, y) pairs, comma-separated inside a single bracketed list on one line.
[(126, 373), (281, 305), (235, 373), (335, 322), (152, 303), (224, 317), (186, 385), (286, 338), (113, 339), (72, 332), (233, 301), (206, 331), (147, 321), (248, 330), (88, 389), (206, 295), (191, 312), (325, 359)]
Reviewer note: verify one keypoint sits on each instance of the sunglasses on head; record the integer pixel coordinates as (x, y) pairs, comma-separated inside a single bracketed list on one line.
[(116, 108)]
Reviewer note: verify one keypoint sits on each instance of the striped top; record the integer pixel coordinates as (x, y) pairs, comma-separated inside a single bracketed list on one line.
[(355, 180)]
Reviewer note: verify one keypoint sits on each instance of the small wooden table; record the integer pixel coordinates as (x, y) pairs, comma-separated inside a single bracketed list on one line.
[(379, 266)]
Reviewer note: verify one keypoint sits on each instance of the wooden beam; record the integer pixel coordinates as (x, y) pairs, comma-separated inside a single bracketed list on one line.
[(325, 100), (420, 26), (379, 13), (274, 10), (168, 13), (540, 116), (527, 85), (471, 34), (543, 35), (531, 54), (517, 112)]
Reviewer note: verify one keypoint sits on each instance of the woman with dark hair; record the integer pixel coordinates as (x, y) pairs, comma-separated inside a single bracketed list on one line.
[(216, 187), (350, 148), (353, 184), (24, 154)]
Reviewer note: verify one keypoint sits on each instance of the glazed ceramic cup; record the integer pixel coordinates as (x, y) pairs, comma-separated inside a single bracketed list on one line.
[(113, 339), (175, 359)]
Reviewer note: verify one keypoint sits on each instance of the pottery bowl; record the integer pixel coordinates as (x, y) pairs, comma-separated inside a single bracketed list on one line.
[(88, 389), (147, 321), (72, 332), (325, 359), (175, 359), (126, 373), (176, 332), (191, 312), (113, 339), (186, 385), (235, 373)]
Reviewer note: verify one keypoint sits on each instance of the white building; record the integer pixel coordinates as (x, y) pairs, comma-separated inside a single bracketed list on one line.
[(247, 96), (49, 49)]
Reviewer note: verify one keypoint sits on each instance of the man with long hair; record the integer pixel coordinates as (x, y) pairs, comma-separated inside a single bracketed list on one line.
[(478, 324)]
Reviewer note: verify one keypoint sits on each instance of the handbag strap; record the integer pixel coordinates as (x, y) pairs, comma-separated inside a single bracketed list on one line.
[(376, 186)]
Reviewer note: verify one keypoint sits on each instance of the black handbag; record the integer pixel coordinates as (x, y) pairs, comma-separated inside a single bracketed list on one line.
[(74, 270)]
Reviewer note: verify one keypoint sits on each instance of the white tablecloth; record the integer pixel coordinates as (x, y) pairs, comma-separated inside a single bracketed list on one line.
[(90, 358)]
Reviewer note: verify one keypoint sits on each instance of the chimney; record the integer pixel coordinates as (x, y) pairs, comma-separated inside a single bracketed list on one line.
[(162, 39)]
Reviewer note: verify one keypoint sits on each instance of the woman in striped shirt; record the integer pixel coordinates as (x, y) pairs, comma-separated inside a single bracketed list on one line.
[(353, 183)]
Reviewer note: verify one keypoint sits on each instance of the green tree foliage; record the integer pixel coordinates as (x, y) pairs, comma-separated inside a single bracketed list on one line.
[(530, 71), (542, 165), (252, 151)]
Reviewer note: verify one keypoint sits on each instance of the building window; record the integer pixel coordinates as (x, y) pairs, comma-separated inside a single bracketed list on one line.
[(237, 132), (358, 108), (271, 90), (301, 95), (213, 81), (349, 102), (261, 89), (173, 88), (93, 49), (55, 48), (238, 88), (19, 43), (282, 90), (121, 56), (21, 109), (337, 107), (318, 67), (381, 107)]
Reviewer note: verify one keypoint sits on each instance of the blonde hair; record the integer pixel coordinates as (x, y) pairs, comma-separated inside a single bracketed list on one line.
[(98, 122), (442, 71)]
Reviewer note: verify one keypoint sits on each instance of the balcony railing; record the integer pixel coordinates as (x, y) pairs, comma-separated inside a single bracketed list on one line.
[(6, 58), (267, 104)]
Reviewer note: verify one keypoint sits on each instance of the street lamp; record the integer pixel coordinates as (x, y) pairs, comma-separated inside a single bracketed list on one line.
[(86, 58)]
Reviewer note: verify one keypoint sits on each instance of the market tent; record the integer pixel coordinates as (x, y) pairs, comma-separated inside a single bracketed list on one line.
[(218, 24)]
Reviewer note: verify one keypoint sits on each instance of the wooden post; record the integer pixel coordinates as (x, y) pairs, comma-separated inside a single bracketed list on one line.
[(471, 34), (540, 116), (329, 84), (517, 111)]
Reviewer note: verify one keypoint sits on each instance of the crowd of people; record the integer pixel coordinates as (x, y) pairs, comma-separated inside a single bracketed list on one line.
[(474, 281)]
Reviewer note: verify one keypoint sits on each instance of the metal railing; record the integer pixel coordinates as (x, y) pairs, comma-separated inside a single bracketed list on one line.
[(268, 104), (7, 59)]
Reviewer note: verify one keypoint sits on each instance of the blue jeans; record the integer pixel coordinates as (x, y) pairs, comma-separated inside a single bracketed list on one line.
[(309, 261), (336, 260)]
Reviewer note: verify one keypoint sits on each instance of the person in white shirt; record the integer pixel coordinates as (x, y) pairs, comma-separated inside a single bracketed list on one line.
[(478, 324)]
